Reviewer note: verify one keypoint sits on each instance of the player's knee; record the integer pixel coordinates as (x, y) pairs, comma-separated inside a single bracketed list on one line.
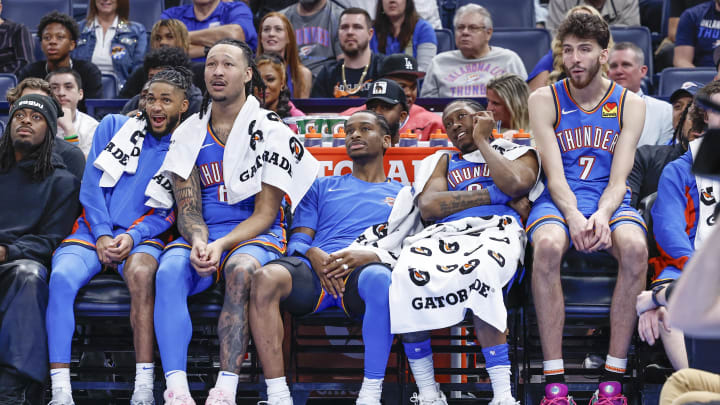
[(548, 250), (634, 255), (30, 271), (62, 280), (169, 275), (374, 283), (140, 276), (238, 273), (265, 285)]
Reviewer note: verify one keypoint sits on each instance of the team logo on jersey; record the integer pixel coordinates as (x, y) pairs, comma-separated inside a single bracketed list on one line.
[(707, 197), (449, 248), (421, 251), (389, 201), (419, 277), (469, 266), (296, 148), (500, 259), (447, 269), (609, 110)]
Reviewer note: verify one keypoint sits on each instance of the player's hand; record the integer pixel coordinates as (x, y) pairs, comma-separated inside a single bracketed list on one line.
[(576, 224), (334, 286), (597, 230), (101, 246), (483, 124), (650, 322), (644, 302), (3, 254), (199, 258), (120, 248), (522, 206), (340, 264)]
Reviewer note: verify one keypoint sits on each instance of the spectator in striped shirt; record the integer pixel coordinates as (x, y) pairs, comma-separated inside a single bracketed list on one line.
[(15, 45)]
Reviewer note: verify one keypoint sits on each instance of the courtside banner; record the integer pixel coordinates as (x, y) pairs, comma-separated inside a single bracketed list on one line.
[(400, 162)]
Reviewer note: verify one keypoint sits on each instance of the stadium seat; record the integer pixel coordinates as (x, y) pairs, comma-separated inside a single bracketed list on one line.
[(639, 36), (665, 18), (146, 12), (445, 39), (672, 78), (530, 44), (37, 47), (109, 85), (507, 13), (7, 81), (29, 12)]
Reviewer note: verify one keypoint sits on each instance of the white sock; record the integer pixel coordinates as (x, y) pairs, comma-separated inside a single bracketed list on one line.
[(615, 365), (500, 380), (424, 374), (144, 375), (227, 382), (277, 389), (371, 388), (176, 380), (60, 379)]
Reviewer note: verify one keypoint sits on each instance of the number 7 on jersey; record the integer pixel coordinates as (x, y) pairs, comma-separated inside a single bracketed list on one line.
[(587, 163)]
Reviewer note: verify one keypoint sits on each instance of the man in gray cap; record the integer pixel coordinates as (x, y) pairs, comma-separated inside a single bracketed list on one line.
[(37, 215)]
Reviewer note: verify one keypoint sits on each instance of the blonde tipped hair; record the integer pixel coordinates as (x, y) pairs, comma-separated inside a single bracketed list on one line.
[(178, 29), (514, 92)]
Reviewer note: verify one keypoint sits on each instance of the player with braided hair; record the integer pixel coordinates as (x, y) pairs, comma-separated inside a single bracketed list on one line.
[(219, 238), (117, 229)]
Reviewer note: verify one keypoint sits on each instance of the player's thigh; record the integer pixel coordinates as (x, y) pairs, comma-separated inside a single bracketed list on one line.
[(629, 243), (141, 264), (306, 292)]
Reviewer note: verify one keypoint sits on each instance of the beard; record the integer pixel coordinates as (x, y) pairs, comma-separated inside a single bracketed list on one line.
[(25, 147), (171, 124), (360, 48), (592, 72)]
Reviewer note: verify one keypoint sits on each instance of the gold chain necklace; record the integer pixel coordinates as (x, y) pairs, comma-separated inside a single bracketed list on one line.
[(359, 86)]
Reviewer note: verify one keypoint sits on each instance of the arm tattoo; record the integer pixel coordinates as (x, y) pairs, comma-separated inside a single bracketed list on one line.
[(455, 201), (189, 202)]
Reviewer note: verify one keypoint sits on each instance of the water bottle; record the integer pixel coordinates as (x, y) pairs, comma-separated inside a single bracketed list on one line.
[(339, 138), (408, 139), (522, 138), (313, 138), (438, 138)]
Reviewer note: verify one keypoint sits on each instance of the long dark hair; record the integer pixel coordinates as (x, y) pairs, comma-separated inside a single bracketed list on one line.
[(255, 83), (383, 26), (283, 102), (43, 156)]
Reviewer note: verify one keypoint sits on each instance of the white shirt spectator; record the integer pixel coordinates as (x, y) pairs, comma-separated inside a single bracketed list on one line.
[(101, 54), (658, 129)]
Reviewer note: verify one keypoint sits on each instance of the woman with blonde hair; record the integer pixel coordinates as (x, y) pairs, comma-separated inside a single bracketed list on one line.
[(277, 36), (507, 96), (550, 68)]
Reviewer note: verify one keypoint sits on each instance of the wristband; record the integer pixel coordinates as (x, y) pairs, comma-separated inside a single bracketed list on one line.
[(654, 294), (497, 197), (668, 291), (299, 243)]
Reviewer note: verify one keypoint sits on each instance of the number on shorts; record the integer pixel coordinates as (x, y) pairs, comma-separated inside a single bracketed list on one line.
[(587, 163)]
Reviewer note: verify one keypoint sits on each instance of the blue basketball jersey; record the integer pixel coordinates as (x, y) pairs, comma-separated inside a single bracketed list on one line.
[(340, 208), (587, 141), (465, 175), (216, 210)]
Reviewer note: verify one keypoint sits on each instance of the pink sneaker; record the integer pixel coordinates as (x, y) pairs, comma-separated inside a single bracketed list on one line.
[(178, 398), (609, 393), (557, 394), (216, 396)]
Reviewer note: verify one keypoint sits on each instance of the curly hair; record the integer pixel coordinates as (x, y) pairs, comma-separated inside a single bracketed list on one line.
[(255, 83), (34, 83), (474, 105), (283, 102), (291, 56), (169, 56), (62, 19), (383, 26), (178, 30)]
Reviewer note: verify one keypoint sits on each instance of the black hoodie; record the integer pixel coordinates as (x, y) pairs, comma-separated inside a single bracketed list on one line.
[(36, 215)]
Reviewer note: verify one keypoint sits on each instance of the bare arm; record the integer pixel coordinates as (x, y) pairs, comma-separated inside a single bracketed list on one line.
[(190, 221), (624, 156), (513, 177), (684, 55), (196, 51), (306, 82), (436, 202), (695, 305), (208, 36), (672, 27)]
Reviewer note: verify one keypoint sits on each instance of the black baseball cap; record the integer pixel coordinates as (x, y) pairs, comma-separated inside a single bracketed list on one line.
[(388, 91), (686, 89), (400, 64)]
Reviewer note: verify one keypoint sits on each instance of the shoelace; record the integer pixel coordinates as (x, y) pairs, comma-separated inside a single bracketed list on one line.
[(557, 401), (609, 401), (415, 399)]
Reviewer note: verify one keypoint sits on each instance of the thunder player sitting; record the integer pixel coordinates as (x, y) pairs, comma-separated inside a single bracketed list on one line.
[(117, 230), (586, 128), (217, 238), (313, 278)]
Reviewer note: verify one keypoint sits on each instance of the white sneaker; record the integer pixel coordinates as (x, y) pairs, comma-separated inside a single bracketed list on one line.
[(178, 398), (281, 401), (440, 400), (143, 395), (504, 401), (216, 396), (61, 397), (367, 401)]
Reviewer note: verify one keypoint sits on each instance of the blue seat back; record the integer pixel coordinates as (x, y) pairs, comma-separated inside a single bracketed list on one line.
[(7, 81), (639, 36), (109, 86), (507, 13), (530, 44), (445, 39), (146, 12), (672, 79), (29, 12)]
